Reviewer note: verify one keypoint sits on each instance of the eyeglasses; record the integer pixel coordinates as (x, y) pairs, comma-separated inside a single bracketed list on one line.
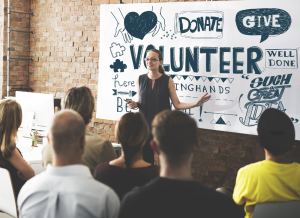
[(152, 59)]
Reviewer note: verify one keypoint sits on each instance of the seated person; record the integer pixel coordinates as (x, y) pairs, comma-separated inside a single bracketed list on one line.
[(175, 193), (129, 170), (10, 156), (67, 188), (275, 179), (97, 149)]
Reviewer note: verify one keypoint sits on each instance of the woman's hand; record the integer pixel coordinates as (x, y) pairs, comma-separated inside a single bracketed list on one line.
[(131, 104), (203, 99)]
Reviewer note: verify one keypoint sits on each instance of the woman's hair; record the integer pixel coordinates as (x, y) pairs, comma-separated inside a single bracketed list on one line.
[(132, 132), (160, 57), (80, 99), (10, 121)]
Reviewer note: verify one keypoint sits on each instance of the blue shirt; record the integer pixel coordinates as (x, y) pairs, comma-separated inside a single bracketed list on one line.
[(68, 191)]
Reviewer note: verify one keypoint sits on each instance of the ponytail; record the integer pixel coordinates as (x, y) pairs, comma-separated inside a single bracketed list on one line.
[(161, 70), (129, 153)]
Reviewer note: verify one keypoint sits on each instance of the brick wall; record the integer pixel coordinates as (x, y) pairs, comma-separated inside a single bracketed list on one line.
[(19, 47), (2, 48), (65, 52)]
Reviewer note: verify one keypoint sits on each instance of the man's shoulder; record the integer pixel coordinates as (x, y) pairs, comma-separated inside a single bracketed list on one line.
[(48, 183), (167, 194), (253, 167)]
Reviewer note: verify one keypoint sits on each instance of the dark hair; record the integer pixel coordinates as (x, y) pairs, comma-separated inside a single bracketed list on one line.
[(176, 135), (160, 57), (10, 121), (80, 99), (132, 132), (276, 131)]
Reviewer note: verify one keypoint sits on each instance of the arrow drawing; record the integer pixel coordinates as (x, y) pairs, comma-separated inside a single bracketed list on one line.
[(219, 113), (130, 93)]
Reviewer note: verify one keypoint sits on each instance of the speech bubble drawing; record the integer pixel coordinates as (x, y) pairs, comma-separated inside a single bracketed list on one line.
[(265, 22)]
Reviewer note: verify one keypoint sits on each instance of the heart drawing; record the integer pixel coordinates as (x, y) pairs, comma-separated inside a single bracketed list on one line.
[(139, 26)]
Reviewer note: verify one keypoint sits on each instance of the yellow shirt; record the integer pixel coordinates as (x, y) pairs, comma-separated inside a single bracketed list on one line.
[(266, 181)]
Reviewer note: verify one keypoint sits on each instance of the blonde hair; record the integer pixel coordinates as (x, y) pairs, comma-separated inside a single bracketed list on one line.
[(10, 121), (132, 132), (160, 57), (80, 99)]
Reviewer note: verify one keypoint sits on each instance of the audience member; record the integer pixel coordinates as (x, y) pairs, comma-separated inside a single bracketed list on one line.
[(129, 170), (10, 156), (174, 193), (97, 149), (275, 179), (67, 189)]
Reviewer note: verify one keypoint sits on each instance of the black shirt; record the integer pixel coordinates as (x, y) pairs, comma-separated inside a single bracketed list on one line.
[(153, 101), (122, 180), (163, 198)]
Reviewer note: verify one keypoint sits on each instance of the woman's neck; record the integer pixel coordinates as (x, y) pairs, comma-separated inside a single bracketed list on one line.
[(137, 161), (154, 74)]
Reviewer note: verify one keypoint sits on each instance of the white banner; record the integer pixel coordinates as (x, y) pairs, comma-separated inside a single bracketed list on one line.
[(245, 54)]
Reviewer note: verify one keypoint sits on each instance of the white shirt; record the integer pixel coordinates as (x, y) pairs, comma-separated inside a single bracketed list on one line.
[(67, 192)]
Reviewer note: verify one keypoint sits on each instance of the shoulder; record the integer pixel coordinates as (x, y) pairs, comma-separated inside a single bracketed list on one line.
[(251, 168), (101, 167), (138, 193), (96, 140), (36, 184), (143, 75)]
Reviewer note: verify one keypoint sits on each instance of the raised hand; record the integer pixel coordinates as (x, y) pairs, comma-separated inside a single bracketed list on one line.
[(131, 104), (203, 99)]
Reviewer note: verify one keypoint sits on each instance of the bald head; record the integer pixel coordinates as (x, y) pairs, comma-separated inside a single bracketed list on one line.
[(67, 134)]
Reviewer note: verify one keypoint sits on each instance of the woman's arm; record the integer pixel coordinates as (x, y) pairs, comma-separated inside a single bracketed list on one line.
[(134, 104), (180, 105), (21, 165)]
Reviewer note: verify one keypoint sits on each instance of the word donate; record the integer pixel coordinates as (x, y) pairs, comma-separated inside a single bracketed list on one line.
[(282, 58), (199, 24), (264, 22)]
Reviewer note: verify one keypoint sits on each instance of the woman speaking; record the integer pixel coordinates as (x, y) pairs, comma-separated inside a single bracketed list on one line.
[(155, 88)]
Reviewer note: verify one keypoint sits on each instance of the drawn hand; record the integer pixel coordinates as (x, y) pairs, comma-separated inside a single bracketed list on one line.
[(131, 104), (160, 22), (203, 99), (121, 28)]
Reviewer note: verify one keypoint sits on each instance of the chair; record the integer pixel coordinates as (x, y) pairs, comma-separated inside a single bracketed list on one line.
[(289, 209), (7, 198)]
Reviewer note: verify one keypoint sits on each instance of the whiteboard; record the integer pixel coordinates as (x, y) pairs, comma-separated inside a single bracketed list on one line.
[(245, 54)]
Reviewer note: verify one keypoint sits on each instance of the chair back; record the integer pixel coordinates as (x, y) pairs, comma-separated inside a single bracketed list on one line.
[(289, 209), (7, 198)]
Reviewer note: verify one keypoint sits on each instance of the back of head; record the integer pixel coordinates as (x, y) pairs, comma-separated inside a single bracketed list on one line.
[(132, 132), (176, 135), (10, 121), (80, 99), (276, 131), (67, 134)]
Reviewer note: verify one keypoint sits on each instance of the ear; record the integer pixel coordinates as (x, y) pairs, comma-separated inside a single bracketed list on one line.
[(82, 144), (154, 147), (48, 138)]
